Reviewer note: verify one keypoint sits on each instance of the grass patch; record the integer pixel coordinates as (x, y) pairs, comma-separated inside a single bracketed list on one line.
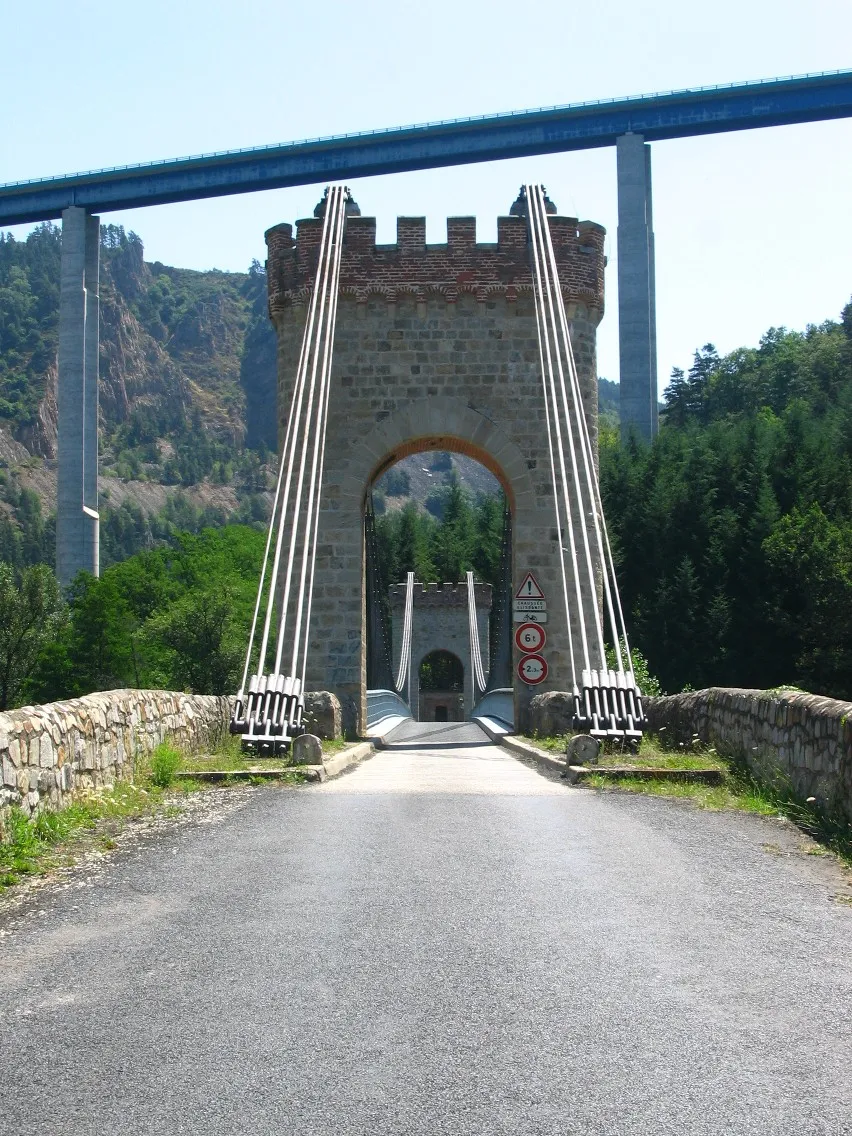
[(229, 756), (729, 795), (739, 790), (32, 846), (35, 845), (651, 755), (335, 745)]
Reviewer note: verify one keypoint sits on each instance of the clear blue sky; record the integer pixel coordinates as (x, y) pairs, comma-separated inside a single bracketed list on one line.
[(753, 229)]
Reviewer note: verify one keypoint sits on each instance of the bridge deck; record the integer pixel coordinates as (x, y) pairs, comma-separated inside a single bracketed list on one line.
[(674, 114), (441, 941), (432, 735)]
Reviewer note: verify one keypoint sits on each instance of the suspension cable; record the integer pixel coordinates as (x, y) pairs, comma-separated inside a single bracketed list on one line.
[(608, 703), (403, 674), (473, 628), (272, 710)]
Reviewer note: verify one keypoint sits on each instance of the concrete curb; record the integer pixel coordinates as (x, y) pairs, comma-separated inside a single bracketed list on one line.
[(529, 752), (332, 766), (577, 773), (493, 727), (337, 763), (213, 776)]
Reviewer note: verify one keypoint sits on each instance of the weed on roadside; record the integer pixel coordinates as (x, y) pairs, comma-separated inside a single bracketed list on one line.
[(166, 760)]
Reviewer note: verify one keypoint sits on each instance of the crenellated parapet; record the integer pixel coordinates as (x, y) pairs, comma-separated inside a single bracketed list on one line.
[(442, 595), (413, 269)]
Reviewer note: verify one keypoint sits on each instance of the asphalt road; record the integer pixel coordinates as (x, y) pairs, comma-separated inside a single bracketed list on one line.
[(442, 941)]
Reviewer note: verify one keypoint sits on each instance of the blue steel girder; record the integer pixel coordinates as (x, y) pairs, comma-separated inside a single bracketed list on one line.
[(679, 114)]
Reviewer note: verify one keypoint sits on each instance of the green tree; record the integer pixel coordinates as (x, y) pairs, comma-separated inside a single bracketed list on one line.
[(31, 613), (203, 639)]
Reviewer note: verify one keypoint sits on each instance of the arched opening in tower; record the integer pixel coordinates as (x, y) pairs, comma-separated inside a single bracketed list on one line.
[(436, 510), (440, 688)]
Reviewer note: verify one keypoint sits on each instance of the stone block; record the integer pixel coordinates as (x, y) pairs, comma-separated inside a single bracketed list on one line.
[(10, 774), (307, 750), (15, 752), (323, 713), (46, 752), (582, 749), (552, 713)]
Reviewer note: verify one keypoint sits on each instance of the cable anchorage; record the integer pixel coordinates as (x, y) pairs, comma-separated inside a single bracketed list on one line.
[(607, 701)]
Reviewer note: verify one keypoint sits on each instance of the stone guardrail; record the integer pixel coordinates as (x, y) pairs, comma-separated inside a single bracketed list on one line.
[(801, 741), (49, 752)]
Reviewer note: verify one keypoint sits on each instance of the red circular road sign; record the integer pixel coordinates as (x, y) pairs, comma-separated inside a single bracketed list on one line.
[(532, 669), (530, 638)]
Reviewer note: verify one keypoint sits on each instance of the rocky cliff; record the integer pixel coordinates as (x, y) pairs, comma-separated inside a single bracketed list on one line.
[(187, 382)]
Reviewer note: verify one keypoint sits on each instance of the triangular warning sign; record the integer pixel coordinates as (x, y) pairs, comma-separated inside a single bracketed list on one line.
[(529, 589)]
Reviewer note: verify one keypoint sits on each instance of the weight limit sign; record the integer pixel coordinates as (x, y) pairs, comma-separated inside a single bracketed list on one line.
[(530, 638)]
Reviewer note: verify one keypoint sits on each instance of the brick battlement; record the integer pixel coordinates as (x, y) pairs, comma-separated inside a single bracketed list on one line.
[(413, 268), (442, 595)]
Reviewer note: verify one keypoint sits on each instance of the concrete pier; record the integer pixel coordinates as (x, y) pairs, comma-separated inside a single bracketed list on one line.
[(637, 319), (77, 536)]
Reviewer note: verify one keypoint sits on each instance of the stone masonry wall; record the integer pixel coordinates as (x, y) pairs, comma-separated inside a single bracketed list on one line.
[(802, 738), (436, 348), (49, 752)]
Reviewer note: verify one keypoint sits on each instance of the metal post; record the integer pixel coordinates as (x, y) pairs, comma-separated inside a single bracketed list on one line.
[(77, 535), (637, 330)]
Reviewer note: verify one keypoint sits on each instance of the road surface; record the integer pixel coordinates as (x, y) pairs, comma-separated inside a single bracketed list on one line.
[(441, 941)]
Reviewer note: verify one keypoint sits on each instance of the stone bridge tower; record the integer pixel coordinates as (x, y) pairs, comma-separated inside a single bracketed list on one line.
[(440, 623), (436, 349)]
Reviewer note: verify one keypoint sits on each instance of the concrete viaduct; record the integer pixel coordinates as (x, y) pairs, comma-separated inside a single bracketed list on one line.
[(629, 124)]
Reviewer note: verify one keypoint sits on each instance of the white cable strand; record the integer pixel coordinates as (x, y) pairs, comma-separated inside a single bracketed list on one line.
[(535, 193), (619, 630), (403, 674), (289, 451), (300, 629), (322, 288), (323, 435), (265, 563), (570, 525), (475, 650), (557, 448), (583, 436), (617, 624)]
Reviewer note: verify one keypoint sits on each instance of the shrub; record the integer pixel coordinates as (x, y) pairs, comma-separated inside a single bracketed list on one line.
[(165, 762)]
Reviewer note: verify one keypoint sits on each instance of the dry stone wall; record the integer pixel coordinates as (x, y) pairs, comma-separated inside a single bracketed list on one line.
[(49, 752), (804, 740)]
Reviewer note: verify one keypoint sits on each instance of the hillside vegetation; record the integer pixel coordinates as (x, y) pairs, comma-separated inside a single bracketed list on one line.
[(187, 379), (734, 530)]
